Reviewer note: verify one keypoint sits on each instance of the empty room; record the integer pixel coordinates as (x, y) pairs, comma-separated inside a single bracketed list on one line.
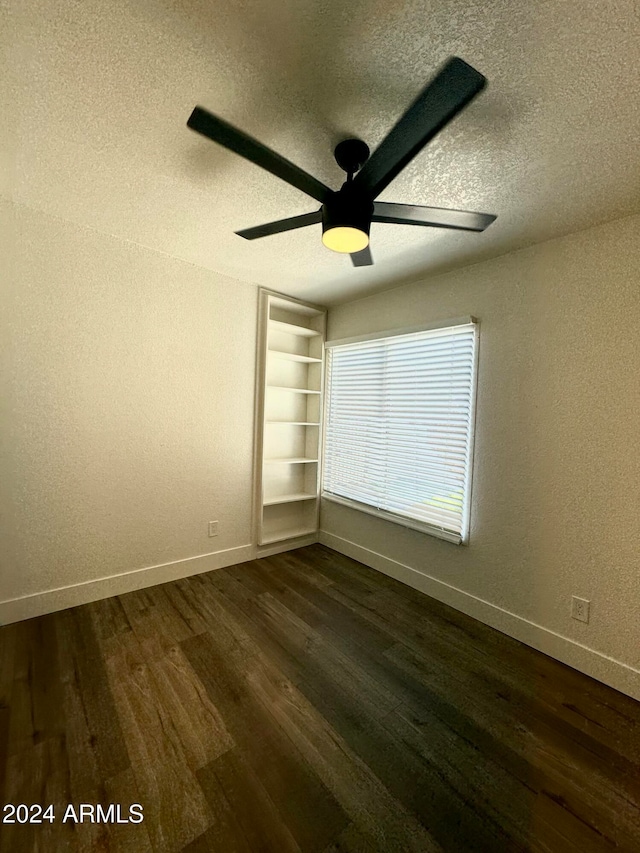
[(319, 426)]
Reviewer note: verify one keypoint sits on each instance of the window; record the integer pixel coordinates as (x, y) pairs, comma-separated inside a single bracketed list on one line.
[(399, 411)]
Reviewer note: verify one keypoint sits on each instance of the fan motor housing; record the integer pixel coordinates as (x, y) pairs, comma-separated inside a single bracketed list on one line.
[(347, 209)]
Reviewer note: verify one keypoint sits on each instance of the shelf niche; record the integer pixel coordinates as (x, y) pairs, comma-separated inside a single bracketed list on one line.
[(289, 418)]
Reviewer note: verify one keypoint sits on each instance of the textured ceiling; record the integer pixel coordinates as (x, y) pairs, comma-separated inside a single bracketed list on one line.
[(94, 97)]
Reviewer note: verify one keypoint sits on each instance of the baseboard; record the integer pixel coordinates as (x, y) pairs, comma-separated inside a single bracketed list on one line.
[(613, 672), (17, 609)]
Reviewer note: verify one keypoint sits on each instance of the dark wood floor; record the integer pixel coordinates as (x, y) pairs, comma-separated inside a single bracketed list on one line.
[(307, 703)]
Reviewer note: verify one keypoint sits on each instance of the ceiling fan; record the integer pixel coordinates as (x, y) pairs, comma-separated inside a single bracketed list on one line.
[(346, 215)]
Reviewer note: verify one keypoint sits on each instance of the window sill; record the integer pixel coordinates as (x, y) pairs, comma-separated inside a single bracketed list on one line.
[(437, 532)]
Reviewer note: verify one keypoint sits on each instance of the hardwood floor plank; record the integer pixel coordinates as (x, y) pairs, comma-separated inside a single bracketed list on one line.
[(308, 568), (221, 837), (354, 840), (570, 831), (489, 686), (419, 786), (36, 695), (341, 620), (478, 780), (375, 813), (225, 832), (86, 781), (5, 714), (39, 774), (97, 700), (577, 700), (204, 596), (156, 622), (238, 604), (320, 656), (200, 728), (311, 813), (494, 687), (372, 671), (553, 760), (253, 809), (175, 809), (126, 837), (7, 654), (109, 617), (301, 638), (344, 573)]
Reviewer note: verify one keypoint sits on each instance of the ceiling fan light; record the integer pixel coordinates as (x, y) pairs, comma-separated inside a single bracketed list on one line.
[(346, 219), (345, 239)]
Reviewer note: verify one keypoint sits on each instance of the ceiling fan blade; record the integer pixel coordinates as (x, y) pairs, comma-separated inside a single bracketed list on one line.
[(437, 217), (363, 258), (280, 225), (445, 96), (235, 140)]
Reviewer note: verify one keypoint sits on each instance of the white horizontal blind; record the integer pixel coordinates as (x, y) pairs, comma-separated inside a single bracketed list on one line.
[(398, 426)]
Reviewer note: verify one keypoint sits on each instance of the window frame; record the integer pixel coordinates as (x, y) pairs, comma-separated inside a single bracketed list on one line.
[(401, 520)]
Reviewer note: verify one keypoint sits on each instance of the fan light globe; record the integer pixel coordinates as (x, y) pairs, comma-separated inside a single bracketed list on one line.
[(345, 239)]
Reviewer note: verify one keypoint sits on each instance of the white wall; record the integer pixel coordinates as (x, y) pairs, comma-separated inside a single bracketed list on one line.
[(556, 494), (127, 414)]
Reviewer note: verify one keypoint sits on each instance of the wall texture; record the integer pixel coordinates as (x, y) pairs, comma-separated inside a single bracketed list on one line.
[(127, 414), (556, 477)]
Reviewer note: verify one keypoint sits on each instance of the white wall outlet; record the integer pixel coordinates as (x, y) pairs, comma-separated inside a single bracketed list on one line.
[(580, 608), (213, 528)]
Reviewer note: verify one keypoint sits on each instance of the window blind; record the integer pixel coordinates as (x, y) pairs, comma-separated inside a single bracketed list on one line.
[(398, 426)]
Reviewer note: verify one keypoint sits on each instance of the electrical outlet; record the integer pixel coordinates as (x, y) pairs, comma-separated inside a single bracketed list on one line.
[(580, 608), (213, 528)]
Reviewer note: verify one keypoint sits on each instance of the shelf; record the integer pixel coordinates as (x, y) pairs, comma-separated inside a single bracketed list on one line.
[(295, 423), (297, 390), (290, 329), (287, 534), (291, 460), (285, 499), (292, 356)]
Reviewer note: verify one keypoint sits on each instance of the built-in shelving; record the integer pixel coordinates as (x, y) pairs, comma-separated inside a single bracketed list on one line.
[(292, 341)]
